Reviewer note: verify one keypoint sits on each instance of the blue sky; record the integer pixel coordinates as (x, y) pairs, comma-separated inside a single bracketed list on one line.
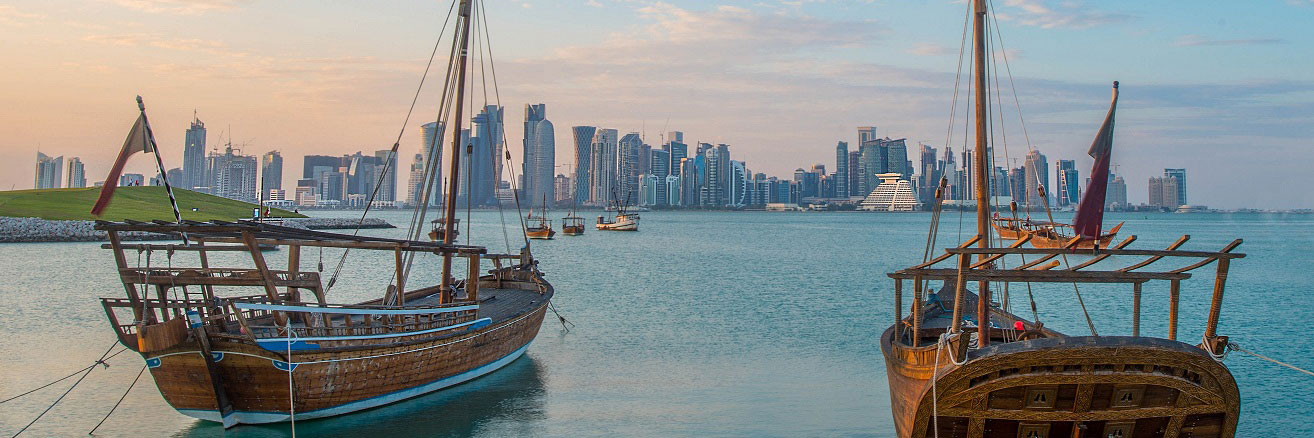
[(1223, 89)]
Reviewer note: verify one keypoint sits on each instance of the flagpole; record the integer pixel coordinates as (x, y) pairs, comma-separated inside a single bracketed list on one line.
[(159, 164)]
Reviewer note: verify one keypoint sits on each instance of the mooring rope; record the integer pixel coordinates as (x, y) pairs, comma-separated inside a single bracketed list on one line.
[(61, 379), (1234, 346), (116, 404), (103, 357)]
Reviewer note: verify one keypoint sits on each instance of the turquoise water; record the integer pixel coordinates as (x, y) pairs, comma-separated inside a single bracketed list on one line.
[(702, 324)]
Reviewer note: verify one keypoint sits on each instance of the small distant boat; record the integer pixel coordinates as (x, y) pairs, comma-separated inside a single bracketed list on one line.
[(539, 227), (572, 225), (439, 228), (623, 221)]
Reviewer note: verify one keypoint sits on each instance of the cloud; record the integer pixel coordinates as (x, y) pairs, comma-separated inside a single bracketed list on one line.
[(180, 7), (11, 16), (1200, 40), (1037, 13), (931, 49)]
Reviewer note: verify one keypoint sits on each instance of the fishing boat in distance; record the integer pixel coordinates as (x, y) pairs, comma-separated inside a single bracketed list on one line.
[(961, 364), (539, 227), (622, 221), (230, 338), (572, 225), (438, 229)]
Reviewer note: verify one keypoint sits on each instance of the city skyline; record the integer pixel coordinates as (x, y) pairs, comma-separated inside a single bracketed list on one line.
[(868, 63)]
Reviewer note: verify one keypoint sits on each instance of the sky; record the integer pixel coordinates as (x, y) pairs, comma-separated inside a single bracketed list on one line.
[(1221, 88)]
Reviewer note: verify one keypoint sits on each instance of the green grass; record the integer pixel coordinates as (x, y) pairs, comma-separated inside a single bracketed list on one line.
[(135, 203)]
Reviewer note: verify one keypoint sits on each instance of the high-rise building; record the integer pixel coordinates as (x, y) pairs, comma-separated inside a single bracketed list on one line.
[(271, 172), (602, 167), (1115, 196), (385, 164), (866, 133), (842, 169), (711, 192), (583, 162), (739, 184), (48, 171), (540, 155), (660, 167), (483, 164), (1017, 185), (234, 175), (1068, 183), (931, 171), (628, 170), (1180, 174), (416, 180), (1037, 172), (678, 150), (174, 174), (1163, 192), (195, 170), (723, 173), (562, 188), (895, 153), (77, 173), (854, 171), (431, 158)]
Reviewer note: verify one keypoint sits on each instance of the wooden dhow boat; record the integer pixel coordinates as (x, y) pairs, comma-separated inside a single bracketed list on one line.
[(572, 225), (961, 365), (233, 339), (539, 227)]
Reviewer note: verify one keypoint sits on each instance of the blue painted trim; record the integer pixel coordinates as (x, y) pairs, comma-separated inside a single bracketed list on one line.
[(153, 362), (283, 366), (216, 356), (256, 417), (280, 344), (283, 346), (349, 311)]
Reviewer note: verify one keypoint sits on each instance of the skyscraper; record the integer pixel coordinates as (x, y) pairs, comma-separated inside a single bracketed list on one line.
[(48, 171), (1037, 172), (602, 167), (234, 175), (895, 153), (1180, 174), (739, 184), (1069, 186), (660, 167), (583, 167), (1163, 192), (385, 164), (432, 159), (540, 155), (929, 178), (1116, 194), (484, 163), (271, 172), (413, 184), (842, 169), (865, 134), (854, 171), (628, 170), (77, 173), (678, 149), (723, 173), (195, 171)]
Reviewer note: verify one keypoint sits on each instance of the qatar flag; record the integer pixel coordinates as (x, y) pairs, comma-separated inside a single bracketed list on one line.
[(137, 141)]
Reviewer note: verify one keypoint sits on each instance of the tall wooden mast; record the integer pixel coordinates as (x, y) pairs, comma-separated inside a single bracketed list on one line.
[(980, 163), (463, 33)]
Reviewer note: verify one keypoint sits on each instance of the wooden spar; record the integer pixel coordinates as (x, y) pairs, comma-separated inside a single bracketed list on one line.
[(259, 260), (960, 292), (982, 188), (1178, 244), (462, 32), (401, 277), (898, 308), (1174, 292), (1136, 309), (472, 280), (293, 268), (122, 263), (1216, 305)]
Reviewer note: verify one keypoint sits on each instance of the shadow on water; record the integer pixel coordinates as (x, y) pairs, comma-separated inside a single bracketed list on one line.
[(509, 400)]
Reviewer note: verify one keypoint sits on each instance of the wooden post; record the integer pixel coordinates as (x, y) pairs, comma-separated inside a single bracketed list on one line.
[(960, 292), (898, 308), (1174, 293), (1136, 309), (917, 311), (472, 283), (259, 260), (401, 280), (1216, 306), (293, 266), (122, 263)]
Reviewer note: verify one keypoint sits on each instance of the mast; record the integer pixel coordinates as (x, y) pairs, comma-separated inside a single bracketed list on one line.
[(982, 186), (450, 212)]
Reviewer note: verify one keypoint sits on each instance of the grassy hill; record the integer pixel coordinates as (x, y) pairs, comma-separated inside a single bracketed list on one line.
[(136, 203)]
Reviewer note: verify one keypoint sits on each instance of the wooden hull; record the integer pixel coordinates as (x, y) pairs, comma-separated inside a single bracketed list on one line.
[(1008, 232), (1043, 240), (335, 381), (1145, 386), (572, 231), (540, 233)]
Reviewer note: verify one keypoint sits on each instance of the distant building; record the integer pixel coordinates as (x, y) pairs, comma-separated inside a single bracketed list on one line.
[(1037, 173), (132, 180), (174, 174), (234, 175), (739, 184), (1115, 196), (583, 163), (540, 156), (1068, 182), (1180, 175), (271, 172), (483, 168), (659, 166), (77, 173), (414, 184), (894, 193), (603, 164), (628, 148), (562, 188), (842, 169), (1163, 192), (929, 177), (430, 157), (48, 171), (195, 171)]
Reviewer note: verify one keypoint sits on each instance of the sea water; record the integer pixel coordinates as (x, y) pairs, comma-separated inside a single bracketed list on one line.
[(736, 324)]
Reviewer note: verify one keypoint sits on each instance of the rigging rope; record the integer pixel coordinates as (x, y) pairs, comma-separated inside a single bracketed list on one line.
[(497, 94), (1234, 346), (61, 379), (116, 404), (103, 357)]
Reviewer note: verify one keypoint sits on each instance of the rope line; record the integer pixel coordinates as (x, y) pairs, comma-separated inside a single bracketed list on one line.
[(116, 404), (61, 379), (1234, 346), (101, 361)]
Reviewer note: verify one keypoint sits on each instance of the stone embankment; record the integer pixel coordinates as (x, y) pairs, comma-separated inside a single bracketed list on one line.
[(27, 229)]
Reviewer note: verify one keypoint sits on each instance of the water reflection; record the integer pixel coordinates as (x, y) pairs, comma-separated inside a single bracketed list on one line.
[(509, 401)]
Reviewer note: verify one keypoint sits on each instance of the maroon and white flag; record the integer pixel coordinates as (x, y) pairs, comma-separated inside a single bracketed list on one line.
[(1090, 211), (137, 141)]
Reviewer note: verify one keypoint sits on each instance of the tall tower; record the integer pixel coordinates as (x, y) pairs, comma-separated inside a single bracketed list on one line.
[(1037, 172), (583, 167), (1068, 185), (1180, 174), (431, 157), (628, 167), (48, 171), (195, 173), (842, 169), (603, 166), (271, 172), (540, 155), (77, 174)]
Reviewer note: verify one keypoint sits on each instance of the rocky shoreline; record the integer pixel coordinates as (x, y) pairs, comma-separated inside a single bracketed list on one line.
[(29, 229)]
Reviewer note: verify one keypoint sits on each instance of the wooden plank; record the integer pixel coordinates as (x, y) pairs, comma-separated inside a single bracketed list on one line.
[(1096, 252), (1101, 257), (988, 260), (898, 308), (1216, 304), (1174, 293), (122, 263), (1035, 276), (1136, 309), (1178, 244), (946, 255), (960, 291), (1226, 250)]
